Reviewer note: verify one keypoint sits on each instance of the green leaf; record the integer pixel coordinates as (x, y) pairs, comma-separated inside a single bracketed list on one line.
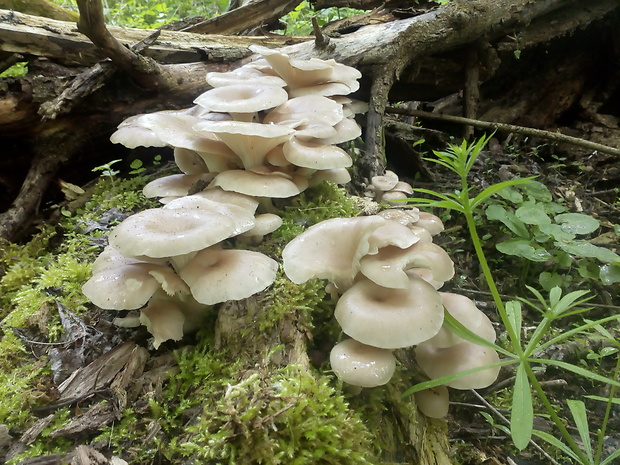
[(588, 250), (610, 274), (512, 195), (580, 417), (555, 442), (522, 411), (611, 459), (523, 248), (460, 330), (508, 218), (614, 400), (537, 191), (515, 317), (495, 189), (556, 231), (550, 280), (577, 223), (446, 379), (532, 213), (579, 329), (577, 370)]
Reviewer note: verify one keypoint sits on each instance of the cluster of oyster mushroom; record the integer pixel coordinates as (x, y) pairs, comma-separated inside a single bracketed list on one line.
[(385, 272), (266, 130)]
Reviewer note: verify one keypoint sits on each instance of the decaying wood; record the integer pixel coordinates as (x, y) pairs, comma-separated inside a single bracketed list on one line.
[(61, 41)]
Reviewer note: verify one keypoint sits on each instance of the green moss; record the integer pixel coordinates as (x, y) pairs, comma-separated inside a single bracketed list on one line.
[(317, 204), (290, 417)]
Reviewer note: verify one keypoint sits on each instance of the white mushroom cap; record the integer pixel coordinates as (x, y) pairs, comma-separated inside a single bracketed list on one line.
[(172, 128), (385, 182), (465, 311), (330, 249), (405, 217), (121, 283), (336, 175), (393, 197), (250, 141), (433, 402), (310, 109), (261, 184), (175, 185), (218, 194), (390, 318), (437, 363), (218, 275), (265, 223), (387, 267), (315, 155), (430, 222), (392, 233), (184, 225), (362, 365), (243, 75), (296, 73), (242, 99), (346, 130)]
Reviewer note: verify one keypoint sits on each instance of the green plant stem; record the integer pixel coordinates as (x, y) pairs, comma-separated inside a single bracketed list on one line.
[(612, 395), (540, 393), (514, 338)]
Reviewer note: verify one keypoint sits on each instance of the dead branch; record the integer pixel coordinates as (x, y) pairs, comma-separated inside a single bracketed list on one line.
[(548, 135)]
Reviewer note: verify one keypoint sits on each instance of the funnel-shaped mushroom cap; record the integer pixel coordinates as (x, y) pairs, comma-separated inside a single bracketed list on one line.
[(390, 318), (231, 198), (250, 141), (387, 267), (274, 184), (362, 365), (405, 217), (392, 234), (465, 311), (385, 182), (346, 130), (433, 402), (330, 249), (240, 99), (296, 73), (217, 275), (317, 156), (461, 357), (184, 225), (265, 223), (122, 283)]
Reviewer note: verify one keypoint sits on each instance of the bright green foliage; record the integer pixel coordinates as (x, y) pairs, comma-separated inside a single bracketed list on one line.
[(525, 349), (544, 231), (17, 70), (148, 14), (299, 21)]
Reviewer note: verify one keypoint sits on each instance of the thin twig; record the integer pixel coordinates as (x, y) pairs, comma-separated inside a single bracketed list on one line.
[(554, 136)]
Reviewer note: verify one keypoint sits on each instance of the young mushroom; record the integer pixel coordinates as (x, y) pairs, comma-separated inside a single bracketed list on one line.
[(362, 365)]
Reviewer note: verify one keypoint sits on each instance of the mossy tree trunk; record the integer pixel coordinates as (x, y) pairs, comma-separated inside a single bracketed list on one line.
[(44, 8)]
